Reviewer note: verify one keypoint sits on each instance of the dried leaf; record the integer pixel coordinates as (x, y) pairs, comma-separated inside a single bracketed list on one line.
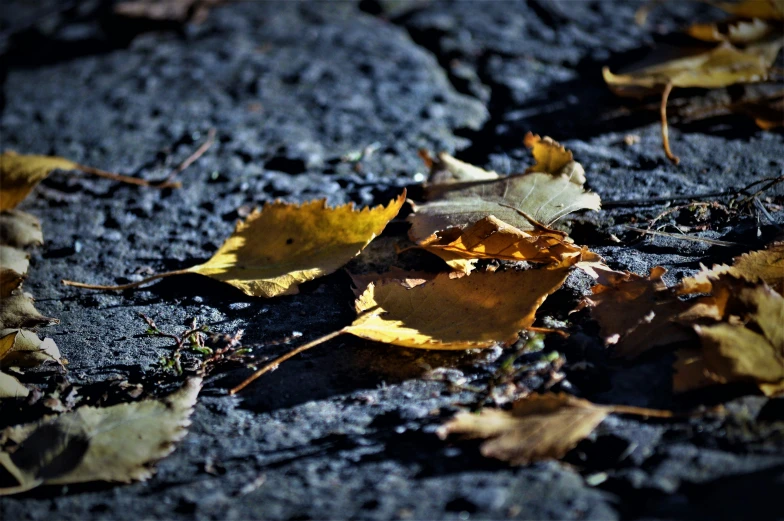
[(19, 174), (734, 31), (179, 11), (408, 279), (22, 348), (539, 426), (764, 9), (491, 238), (552, 158), (20, 229), (284, 245), (13, 268), (447, 169), (544, 197), (637, 313), (10, 387), (762, 265), (18, 311), (722, 66), (748, 344), (117, 443), (480, 310)]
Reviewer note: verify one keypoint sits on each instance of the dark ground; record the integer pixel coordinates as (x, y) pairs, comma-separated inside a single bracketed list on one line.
[(347, 430)]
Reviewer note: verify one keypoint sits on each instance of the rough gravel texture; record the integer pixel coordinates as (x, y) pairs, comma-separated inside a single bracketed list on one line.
[(297, 92)]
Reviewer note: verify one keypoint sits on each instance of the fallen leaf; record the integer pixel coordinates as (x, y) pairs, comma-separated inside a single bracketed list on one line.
[(491, 238), (13, 268), (10, 387), (764, 9), (116, 444), (762, 265), (408, 279), (637, 313), (21, 348), (539, 426), (20, 229), (19, 174), (447, 169), (721, 66), (552, 158), (738, 32), (18, 311), (544, 197), (748, 344), (479, 310), (476, 311), (274, 250)]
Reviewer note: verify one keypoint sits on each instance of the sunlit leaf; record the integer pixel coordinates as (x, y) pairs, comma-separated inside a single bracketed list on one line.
[(22, 348), (18, 311)]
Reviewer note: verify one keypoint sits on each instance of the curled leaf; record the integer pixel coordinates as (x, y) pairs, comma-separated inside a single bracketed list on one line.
[(13, 268), (734, 31), (20, 229), (22, 348), (539, 426), (762, 265), (447, 169), (18, 311), (117, 443)]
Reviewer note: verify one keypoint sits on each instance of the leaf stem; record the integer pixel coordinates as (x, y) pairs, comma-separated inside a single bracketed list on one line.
[(640, 411), (664, 128), (127, 179), (275, 363), (125, 286), (191, 158)]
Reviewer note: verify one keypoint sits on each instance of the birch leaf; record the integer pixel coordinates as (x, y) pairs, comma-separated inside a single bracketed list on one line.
[(18, 311), (539, 426), (10, 387), (22, 348), (762, 265), (284, 245), (447, 169), (19, 174), (13, 268), (544, 197), (479, 310), (722, 66), (20, 229), (117, 443)]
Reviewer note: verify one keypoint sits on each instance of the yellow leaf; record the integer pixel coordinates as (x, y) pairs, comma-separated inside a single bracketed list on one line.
[(479, 310), (552, 158), (765, 9), (117, 443), (276, 249), (13, 268), (637, 313), (20, 229), (539, 426), (19, 174), (722, 66), (762, 265), (283, 245)]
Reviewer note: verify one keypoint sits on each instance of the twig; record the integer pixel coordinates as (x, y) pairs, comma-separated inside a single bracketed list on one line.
[(664, 129), (711, 204), (124, 286), (193, 157), (683, 237), (127, 179)]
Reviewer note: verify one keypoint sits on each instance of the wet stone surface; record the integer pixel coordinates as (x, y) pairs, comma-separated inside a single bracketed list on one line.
[(333, 100)]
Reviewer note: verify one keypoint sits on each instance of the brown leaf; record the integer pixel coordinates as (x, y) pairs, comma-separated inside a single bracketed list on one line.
[(22, 348), (13, 268), (179, 11), (117, 443), (764, 9), (18, 311), (762, 265), (637, 313), (20, 229), (734, 31), (539, 426)]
